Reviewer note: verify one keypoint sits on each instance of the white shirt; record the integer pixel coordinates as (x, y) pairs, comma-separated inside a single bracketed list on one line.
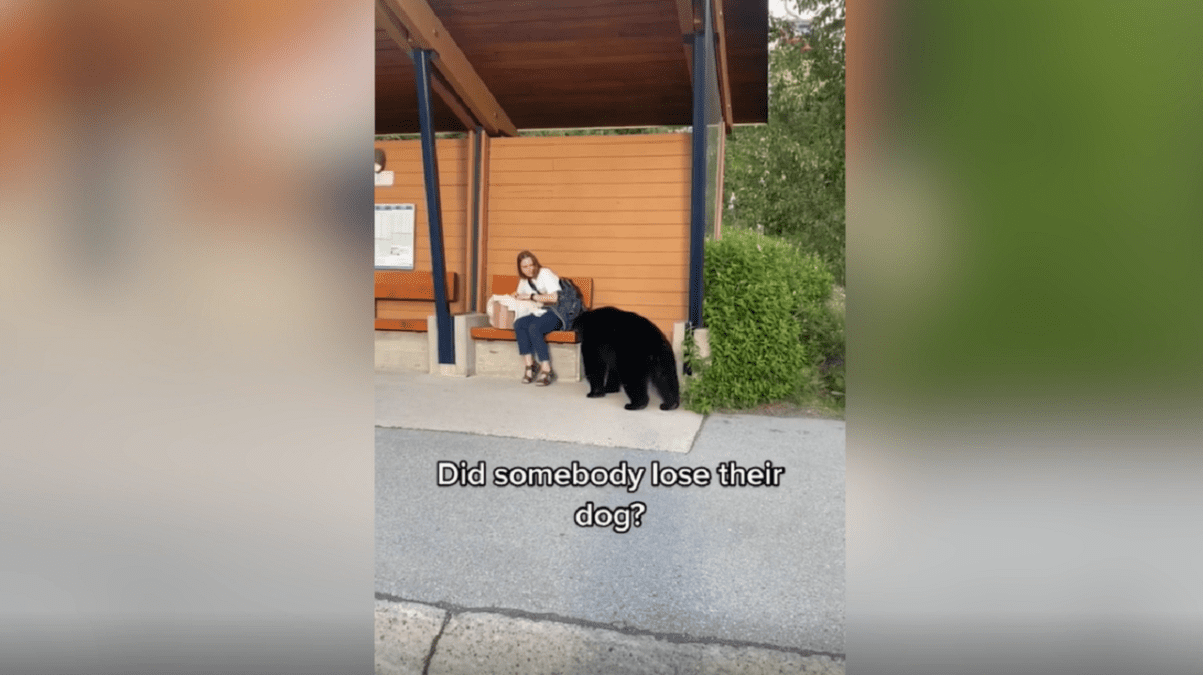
[(546, 282)]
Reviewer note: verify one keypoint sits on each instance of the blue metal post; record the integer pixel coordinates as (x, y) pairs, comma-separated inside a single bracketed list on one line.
[(434, 209), (477, 146), (697, 200)]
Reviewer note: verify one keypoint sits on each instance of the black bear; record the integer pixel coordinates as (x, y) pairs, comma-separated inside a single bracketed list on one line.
[(624, 350)]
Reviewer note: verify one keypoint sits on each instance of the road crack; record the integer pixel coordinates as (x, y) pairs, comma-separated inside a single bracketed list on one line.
[(434, 644)]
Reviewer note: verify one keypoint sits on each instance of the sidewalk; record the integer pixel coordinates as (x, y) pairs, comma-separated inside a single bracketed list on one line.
[(495, 406), (497, 579)]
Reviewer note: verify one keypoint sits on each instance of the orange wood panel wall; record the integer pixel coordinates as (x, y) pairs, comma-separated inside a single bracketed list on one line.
[(613, 208), (404, 159)]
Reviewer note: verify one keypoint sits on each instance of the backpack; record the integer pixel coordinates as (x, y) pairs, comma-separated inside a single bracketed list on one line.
[(569, 304)]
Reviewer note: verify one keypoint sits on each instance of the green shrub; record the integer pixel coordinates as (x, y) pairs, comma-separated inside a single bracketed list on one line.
[(763, 303), (823, 335)]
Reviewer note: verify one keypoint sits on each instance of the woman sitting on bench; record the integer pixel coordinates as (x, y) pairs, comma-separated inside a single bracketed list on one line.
[(540, 284)]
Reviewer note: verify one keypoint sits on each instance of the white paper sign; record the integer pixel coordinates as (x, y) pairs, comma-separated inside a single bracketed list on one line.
[(395, 236)]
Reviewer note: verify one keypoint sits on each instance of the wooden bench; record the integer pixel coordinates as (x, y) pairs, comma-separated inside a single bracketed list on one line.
[(502, 284), (410, 285)]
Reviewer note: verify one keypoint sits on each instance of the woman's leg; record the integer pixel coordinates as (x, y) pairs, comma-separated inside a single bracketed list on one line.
[(522, 335), (537, 331)]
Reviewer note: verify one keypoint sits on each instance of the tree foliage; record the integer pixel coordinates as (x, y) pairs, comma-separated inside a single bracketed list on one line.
[(786, 178)]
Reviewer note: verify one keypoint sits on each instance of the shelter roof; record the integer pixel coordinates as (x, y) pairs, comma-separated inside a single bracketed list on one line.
[(543, 64)]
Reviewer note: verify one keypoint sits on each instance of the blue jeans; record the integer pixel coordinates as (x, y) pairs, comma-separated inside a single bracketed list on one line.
[(531, 332)]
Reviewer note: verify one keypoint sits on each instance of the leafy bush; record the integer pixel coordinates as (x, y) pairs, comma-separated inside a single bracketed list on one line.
[(765, 308), (823, 335)]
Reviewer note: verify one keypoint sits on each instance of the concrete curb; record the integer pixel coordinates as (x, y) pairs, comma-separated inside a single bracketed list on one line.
[(430, 640), (405, 634), (503, 407)]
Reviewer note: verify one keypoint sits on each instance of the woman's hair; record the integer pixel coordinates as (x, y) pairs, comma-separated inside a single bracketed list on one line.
[(528, 254)]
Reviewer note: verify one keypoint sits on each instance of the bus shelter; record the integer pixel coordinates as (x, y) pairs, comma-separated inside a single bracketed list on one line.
[(631, 211)]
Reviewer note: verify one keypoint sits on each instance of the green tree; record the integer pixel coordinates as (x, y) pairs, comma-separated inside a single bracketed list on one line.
[(786, 178)]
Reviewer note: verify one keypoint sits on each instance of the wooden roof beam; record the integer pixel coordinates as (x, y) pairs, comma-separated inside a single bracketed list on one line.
[(690, 24), (424, 30), (400, 36), (448, 96), (724, 75)]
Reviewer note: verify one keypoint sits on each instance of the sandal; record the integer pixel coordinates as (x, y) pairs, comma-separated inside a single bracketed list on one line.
[(545, 378), (529, 375)]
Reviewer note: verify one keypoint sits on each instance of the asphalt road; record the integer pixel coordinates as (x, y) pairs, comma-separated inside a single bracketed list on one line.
[(742, 565)]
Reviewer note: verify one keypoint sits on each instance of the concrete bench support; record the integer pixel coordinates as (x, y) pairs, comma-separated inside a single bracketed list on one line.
[(500, 358), (701, 336), (412, 351), (402, 351)]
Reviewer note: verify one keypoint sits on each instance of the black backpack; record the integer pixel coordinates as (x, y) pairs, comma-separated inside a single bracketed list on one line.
[(569, 304)]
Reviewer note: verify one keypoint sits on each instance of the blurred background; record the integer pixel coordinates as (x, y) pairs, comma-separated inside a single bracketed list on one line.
[(186, 403), (1025, 256)]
